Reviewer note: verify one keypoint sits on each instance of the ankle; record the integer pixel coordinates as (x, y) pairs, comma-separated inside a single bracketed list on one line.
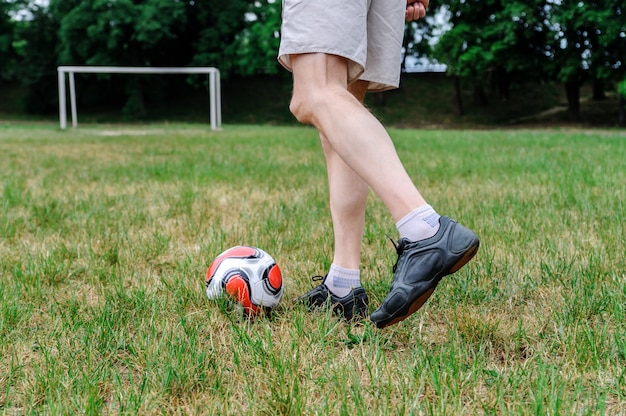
[(419, 224), (341, 281)]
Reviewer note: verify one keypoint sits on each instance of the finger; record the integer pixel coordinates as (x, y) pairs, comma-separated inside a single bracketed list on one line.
[(422, 10), (424, 3), (415, 11), (410, 13)]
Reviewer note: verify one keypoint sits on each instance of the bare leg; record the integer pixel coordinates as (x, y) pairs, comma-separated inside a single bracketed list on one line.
[(348, 197), (360, 154), (321, 98)]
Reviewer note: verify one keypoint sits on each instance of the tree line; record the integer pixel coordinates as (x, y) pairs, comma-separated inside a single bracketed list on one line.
[(510, 42), (486, 44)]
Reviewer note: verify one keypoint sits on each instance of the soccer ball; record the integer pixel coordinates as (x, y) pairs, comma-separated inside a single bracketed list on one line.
[(249, 275)]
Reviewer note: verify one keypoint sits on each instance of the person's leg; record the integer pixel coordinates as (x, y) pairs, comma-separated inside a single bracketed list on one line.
[(348, 197), (321, 98)]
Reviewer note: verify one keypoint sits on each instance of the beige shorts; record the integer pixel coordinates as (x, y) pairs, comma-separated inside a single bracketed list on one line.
[(367, 32)]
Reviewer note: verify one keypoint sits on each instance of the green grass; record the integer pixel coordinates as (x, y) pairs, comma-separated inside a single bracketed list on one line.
[(106, 232)]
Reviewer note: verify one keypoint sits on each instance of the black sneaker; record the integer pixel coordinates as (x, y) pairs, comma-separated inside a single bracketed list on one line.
[(420, 267), (352, 306)]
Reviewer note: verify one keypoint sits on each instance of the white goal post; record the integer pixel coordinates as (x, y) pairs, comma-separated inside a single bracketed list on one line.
[(214, 87)]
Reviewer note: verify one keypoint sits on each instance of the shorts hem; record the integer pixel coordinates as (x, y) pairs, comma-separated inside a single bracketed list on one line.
[(283, 56), (356, 67)]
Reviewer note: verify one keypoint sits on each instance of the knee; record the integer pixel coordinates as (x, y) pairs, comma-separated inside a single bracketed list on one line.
[(307, 104), (301, 107)]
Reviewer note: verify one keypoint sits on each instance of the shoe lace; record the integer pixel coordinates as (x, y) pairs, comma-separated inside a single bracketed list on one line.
[(398, 249), (306, 295)]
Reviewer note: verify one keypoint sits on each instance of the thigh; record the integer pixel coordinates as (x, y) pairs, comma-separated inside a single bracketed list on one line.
[(315, 71), (325, 26)]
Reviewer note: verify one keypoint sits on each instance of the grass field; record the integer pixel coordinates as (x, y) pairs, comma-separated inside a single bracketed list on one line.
[(106, 232)]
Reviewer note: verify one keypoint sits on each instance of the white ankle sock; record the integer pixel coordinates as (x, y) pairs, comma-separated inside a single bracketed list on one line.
[(419, 224), (341, 281)]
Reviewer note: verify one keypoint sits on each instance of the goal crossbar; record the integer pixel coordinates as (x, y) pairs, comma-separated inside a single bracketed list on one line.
[(214, 86)]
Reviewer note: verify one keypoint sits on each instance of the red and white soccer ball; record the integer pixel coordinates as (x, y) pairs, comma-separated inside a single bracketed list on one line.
[(249, 275)]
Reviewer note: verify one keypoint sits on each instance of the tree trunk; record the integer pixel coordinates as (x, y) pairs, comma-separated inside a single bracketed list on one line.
[(622, 111), (572, 91), (135, 106), (503, 85), (458, 99), (598, 89), (480, 98)]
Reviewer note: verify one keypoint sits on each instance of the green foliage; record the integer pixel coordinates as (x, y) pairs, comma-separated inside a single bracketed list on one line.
[(497, 37), (567, 41), (36, 46), (7, 37), (491, 44), (587, 43), (418, 37), (215, 26), (256, 45), (622, 88), (120, 33), (148, 33), (590, 37)]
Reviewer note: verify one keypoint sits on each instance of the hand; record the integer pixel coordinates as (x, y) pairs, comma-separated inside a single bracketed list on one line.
[(415, 9)]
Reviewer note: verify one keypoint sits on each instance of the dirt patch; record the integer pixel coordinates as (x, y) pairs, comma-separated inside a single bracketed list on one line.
[(115, 133)]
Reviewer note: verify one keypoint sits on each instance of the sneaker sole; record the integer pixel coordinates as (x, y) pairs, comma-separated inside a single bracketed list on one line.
[(420, 301)]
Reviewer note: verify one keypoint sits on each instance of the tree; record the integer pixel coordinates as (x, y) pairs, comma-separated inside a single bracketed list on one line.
[(588, 45), (608, 48), (215, 25), (148, 33), (622, 102), (505, 42), (35, 40), (569, 46), (234, 35), (124, 32), (493, 43), (417, 37), (255, 47), (7, 37)]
